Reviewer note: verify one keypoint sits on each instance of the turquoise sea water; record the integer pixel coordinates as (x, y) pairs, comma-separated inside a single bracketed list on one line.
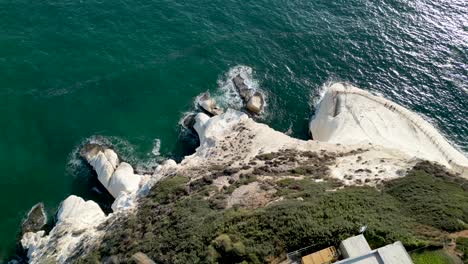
[(126, 71)]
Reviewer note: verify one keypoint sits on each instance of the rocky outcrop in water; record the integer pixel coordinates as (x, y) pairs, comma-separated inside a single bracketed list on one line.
[(117, 177), (254, 101), (209, 105), (36, 219)]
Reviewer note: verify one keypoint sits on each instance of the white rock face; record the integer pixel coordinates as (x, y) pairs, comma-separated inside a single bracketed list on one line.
[(200, 121), (77, 222), (124, 201), (112, 157), (80, 214), (115, 177), (103, 167), (235, 138), (348, 115), (123, 180)]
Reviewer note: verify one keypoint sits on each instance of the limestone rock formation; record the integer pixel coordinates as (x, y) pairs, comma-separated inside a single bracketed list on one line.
[(35, 220), (115, 177), (253, 100), (209, 104), (348, 115), (77, 225), (188, 121), (244, 91)]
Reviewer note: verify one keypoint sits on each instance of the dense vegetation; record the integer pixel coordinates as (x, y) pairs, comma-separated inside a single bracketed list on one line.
[(177, 224)]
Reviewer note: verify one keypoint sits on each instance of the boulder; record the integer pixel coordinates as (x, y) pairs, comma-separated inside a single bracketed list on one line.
[(142, 258), (244, 91), (255, 103), (189, 121), (36, 219), (209, 105), (123, 180), (79, 213)]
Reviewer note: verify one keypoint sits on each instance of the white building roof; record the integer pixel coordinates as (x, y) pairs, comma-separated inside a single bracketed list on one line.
[(390, 254), (354, 246)]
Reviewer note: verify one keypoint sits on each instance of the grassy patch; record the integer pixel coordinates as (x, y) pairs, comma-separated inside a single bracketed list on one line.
[(432, 257)]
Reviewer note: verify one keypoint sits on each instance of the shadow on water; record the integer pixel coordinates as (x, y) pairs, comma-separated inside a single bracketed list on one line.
[(186, 144), (87, 186)]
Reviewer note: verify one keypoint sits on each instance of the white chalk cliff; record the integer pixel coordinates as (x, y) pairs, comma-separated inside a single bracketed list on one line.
[(349, 115), (377, 141), (77, 223)]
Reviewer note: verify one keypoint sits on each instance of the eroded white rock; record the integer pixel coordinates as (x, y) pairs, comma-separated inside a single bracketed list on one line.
[(115, 176), (76, 227), (200, 121), (79, 213), (124, 201), (348, 115), (103, 167), (123, 180)]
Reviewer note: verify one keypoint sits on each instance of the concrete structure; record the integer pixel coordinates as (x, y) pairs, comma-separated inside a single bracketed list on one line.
[(356, 250), (354, 246)]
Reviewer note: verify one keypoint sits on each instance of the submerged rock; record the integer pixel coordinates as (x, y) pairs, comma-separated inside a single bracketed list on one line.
[(209, 104), (244, 91), (255, 103), (189, 121), (36, 219)]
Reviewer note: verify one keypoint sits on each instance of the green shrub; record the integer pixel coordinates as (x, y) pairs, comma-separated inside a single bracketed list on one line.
[(462, 246), (431, 200), (169, 189)]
